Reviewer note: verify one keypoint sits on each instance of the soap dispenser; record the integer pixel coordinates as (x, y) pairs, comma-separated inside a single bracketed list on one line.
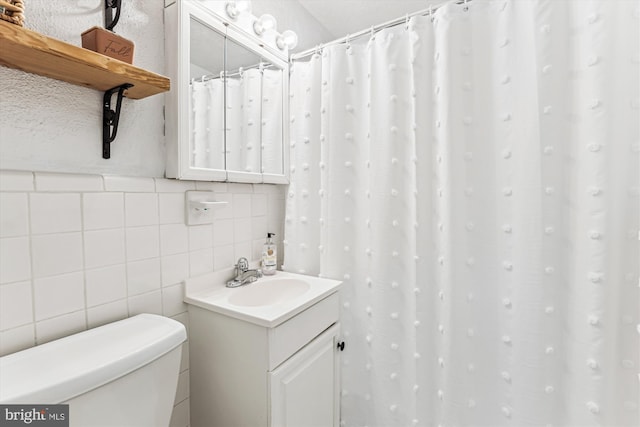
[(269, 256)]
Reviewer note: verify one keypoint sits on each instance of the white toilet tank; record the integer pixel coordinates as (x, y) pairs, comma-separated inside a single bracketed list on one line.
[(121, 374)]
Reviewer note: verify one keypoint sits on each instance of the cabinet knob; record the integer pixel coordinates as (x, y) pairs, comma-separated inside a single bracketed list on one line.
[(340, 345)]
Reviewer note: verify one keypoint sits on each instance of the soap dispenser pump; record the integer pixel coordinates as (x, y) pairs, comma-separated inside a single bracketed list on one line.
[(269, 256)]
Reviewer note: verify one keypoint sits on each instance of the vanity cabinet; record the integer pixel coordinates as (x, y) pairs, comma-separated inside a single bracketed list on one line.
[(303, 389), (225, 113), (246, 374)]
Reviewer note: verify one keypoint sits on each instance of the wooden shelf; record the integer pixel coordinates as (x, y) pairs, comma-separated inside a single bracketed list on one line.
[(35, 53)]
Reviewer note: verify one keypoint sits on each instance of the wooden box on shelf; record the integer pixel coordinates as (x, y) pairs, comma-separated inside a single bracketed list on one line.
[(12, 11), (108, 43)]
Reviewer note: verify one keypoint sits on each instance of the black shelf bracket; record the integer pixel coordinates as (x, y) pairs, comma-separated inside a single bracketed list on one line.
[(110, 21), (111, 117)]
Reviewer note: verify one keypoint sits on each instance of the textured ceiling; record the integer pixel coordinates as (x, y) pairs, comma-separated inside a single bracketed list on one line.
[(342, 17)]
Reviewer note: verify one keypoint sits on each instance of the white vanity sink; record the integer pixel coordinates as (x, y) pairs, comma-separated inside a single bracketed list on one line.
[(269, 301), (272, 291), (266, 353)]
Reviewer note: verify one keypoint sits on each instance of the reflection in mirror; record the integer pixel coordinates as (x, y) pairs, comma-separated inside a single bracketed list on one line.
[(206, 100), (244, 115), (272, 137)]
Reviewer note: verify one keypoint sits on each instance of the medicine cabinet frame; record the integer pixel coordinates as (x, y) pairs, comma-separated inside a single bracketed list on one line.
[(177, 17)]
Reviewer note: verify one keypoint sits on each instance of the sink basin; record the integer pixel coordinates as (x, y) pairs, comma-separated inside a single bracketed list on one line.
[(269, 301), (269, 292)]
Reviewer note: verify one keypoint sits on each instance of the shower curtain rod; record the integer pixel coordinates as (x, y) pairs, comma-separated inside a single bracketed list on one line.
[(207, 77), (374, 29)]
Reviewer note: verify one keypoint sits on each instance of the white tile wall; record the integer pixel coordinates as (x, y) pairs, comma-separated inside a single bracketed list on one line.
[(181, 414), (143, 276), (103, 210), (104, 247), (14, 214), (104, 285), (174, 186), (19, 338), (57, 295), (174, 239), (14, 259), (16, 305), (182, 391), (16, 181), (80, 251), (171, 208), (56, 254), (200, 237), (223, 232), (61, 326), (172, 297), (242, 230), (67, 182), (200, 261), (146, 303), (128, 184), (174, 268), (223, 257), (242, 205), (54, 212), (141, 209), (107, 313), (143, 242)]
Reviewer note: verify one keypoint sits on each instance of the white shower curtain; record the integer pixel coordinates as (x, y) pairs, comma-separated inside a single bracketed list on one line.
[(272, 158), (241, 136), (244, 121), (474, 179), (207, 123)]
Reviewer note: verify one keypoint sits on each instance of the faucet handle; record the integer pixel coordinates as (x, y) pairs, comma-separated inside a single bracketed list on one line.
[(242, 265)]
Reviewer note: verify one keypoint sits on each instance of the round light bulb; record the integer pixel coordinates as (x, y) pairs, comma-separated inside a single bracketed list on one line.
[(235, 8), (243, 5), (287, 39), (264, 23)]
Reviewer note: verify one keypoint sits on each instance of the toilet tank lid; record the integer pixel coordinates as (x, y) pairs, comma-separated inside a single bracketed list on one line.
[(65, 368)]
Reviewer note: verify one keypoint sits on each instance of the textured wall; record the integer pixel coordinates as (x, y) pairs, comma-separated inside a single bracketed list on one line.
[(49, 125)]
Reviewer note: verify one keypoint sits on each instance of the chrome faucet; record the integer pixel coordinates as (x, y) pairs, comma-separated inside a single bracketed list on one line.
[(243, 274)]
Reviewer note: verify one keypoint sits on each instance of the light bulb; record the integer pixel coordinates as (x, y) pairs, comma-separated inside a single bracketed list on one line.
[(288, 40), (235, 8), (243, 5), (264, 23)]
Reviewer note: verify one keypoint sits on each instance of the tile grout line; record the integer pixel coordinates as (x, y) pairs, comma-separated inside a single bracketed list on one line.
[(34, 336)]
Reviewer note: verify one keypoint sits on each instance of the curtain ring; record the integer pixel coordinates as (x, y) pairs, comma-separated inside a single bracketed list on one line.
[(466, 6), (431, 12), (347, 42), (406, 21), (373, 33)]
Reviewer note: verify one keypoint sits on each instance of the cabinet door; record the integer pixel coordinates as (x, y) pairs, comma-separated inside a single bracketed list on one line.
[(304, 389)]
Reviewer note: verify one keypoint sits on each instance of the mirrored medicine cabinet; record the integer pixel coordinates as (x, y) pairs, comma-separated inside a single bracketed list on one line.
[(225, 113)]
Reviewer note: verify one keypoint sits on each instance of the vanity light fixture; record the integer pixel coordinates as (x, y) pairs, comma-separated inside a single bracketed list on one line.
[(264, 23), (235, 8), (287, 39)]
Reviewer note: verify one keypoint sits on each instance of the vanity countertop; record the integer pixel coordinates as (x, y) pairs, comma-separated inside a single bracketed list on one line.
[(269, 301)]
